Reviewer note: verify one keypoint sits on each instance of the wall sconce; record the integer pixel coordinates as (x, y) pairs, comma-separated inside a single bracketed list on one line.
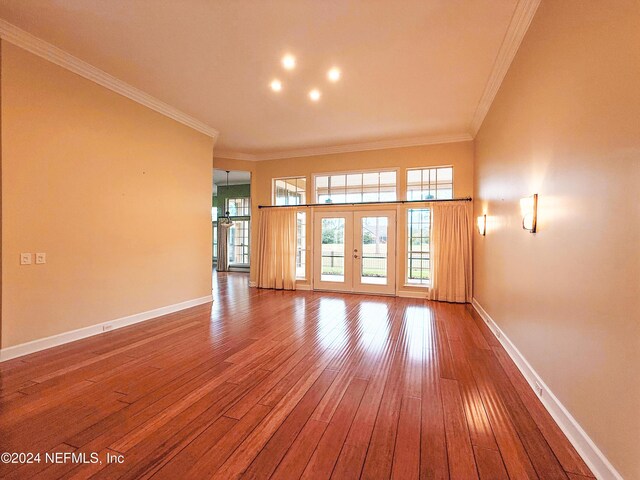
[(482, 224), (529, 209)]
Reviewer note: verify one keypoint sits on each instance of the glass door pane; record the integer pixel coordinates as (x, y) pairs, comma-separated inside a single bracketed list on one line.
[(373, 269), (333, 250)]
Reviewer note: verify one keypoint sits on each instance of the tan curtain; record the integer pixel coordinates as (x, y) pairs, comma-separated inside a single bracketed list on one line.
[(276, 249), (223, 254), (451, 233)]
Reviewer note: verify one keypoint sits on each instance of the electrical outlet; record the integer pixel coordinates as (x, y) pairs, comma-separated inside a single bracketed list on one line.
[(106, 328), (496, 330), (25, 259), (538, 388), (41, 258)]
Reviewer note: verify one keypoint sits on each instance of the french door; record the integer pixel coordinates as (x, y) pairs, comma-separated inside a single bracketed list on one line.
[(355, 251)]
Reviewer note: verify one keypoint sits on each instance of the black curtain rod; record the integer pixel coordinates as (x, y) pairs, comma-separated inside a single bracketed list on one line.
[(394, 202)]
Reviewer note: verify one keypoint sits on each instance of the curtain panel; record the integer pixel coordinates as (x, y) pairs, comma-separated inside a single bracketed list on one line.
[(276, 249), (222, 264), (451, 263)]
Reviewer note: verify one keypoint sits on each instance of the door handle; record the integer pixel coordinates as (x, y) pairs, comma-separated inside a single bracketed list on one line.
[(355, 256)]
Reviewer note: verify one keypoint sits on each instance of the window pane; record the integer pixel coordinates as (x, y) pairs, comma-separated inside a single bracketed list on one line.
[(332, 268), (215, 240), (356, 187), (445, 174), (388, 178), (322, 181), (289, 191), (371, 179), (413, 194), (414, 177), (301, 252), (430, 183), (370, 197), (354, 197), (418, 253), (354, 180), (374, 250), (338, 181), (239, 243), (338, 198), (238, 207), (388, 196)]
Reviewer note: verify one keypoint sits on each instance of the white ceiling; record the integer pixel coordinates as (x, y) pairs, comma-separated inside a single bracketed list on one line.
[(235, 177), (411, 68)]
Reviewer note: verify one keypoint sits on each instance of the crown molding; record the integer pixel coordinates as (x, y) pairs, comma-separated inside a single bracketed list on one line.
[(39, 47), (233, 155), (520, 21), (353, 147)]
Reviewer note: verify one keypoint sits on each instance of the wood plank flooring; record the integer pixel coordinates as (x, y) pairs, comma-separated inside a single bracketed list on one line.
[(266, 384)]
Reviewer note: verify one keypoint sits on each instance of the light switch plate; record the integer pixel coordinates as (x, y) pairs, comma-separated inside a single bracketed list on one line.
[(25, 259), (41, 258)]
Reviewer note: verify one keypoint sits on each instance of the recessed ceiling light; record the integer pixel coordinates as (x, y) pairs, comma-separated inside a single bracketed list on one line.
[(334, 74), (314, 94), (289, 61), (276, 85)]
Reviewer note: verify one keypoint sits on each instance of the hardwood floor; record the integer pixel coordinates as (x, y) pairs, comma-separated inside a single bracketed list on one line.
[(284, 385)]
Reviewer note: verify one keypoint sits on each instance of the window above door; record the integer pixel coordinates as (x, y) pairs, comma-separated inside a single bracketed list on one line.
[(430, 183), (289, 191), (356, 187)]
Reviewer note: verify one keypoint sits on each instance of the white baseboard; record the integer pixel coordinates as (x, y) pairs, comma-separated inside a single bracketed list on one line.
[(590, 453), (298, 287), (73, 335)]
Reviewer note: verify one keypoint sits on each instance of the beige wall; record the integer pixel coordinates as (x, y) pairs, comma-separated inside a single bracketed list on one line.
[(565, 125), (459, 155), (117, 195)]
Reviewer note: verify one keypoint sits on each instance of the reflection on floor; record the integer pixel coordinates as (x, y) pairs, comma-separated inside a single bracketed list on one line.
[(285, 385)]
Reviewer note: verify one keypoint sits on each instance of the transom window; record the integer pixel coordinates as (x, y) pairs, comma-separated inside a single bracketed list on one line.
[(356, 187), (418, 252), (430, 183), (290, 191)]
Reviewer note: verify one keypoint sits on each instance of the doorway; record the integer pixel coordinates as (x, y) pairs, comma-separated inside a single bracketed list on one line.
[(231, 205), (355, 251)]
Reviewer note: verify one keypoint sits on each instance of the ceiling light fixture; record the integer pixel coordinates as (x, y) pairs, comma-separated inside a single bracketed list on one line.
[(226, 221), (289, 61), (334, 74), (276, 85), (314, 95)]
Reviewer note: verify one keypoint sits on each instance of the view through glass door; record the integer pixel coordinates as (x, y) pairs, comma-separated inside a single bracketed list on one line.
[(355, 251)]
